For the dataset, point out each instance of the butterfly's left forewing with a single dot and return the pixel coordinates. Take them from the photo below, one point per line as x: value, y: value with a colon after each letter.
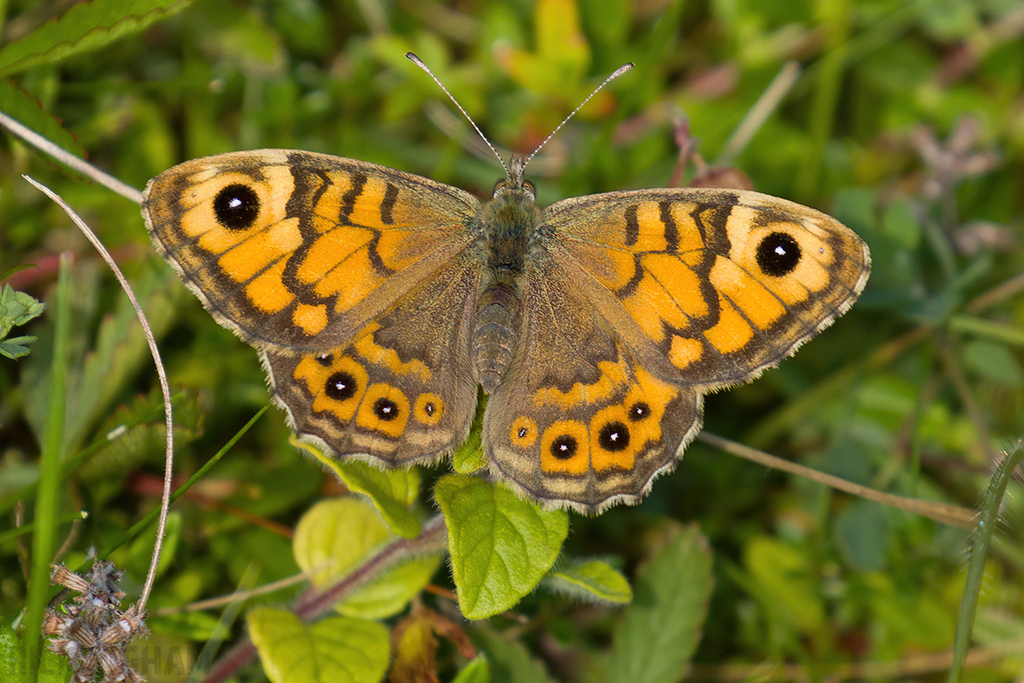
x: 708, y: 286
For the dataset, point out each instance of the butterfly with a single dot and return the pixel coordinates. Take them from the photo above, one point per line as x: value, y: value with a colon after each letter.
x: 381, y: 302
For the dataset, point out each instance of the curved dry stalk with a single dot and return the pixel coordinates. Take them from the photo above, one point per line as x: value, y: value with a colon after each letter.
x: 940, y: 512
x: 161, y: 374
x: 66, y: 158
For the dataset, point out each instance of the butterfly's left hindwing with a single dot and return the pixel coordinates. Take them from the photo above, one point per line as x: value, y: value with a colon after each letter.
x: 577, y: 421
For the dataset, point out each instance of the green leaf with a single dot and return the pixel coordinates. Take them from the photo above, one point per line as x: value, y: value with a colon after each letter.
x: 28, y: 112
x: 862, y: 534
x: 508, y: 660
x: 785, y: 583
x: 590, y: 581
x: 469, y: 456
x: 476, y: 671
x: 333, y: 650
x: 12, y: 656
x: 389, y: 593
x: 15, y: 347
x: 661, y: 628
x: 500, y: 546
x: 86, y: 26
x: 336, y: 536
x: 995, y: 362
x: 17, y: 308
x: 53, y: 668
x: 392, y: 492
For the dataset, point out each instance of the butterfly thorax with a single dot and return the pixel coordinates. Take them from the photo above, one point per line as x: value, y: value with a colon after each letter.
x: 510, y: 222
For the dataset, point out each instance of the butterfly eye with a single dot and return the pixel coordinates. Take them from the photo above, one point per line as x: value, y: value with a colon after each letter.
x: 778, y: 254
x: 499, y: 187
x: 530, y: 188
x: 236, y: 207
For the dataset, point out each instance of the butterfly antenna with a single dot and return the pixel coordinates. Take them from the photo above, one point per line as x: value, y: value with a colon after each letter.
x: 419, y: 62
x: 618, y: 72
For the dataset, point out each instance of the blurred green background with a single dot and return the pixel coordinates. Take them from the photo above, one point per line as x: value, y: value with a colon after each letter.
x: 906, y: 122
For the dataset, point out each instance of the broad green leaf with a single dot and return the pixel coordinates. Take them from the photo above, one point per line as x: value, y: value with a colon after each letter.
x: 336, y: 536
x: 862, y: 534
x: 26, y: 111
x: 389, y: 593
x: 590, y: 581
x: 995, y: 362
x: 785, y: 583
x: 508, y: 660
x: 86, y: 26
x: 392, y: 492
x: 477, y: 671
x: 661, y: 628
x: 333, y: 650
x: 500, y: 546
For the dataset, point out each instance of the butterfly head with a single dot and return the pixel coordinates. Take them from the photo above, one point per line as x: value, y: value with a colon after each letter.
x: 514, y: 185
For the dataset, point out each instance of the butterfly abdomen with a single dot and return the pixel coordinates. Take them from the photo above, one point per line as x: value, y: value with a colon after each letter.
x: 494, y: 331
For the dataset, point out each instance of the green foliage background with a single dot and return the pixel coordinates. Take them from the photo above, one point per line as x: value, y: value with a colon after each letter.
x: 906, y: 123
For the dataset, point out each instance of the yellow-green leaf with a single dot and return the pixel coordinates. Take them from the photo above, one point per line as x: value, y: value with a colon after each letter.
x: 332, y: 650
x: 391, y: 591
x: 392, y: 492
x: 477, y: 671
x: 591, y: 581
x: 336, y: 536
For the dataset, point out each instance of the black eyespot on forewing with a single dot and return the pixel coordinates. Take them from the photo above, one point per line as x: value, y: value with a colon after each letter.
x: 614, y: 437
x: 564, y: 447
x: 778, y: 254
x: 236, y: 207
x: 340, y: 386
